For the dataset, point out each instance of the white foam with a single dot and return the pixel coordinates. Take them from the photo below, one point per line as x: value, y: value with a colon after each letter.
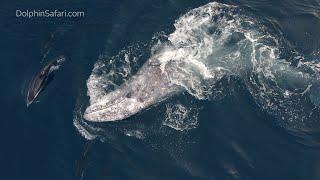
x: 83, y: 131
x: 135, y: 133
x: 180, y: 117
x: 238, y: 45
x: 211, y: 42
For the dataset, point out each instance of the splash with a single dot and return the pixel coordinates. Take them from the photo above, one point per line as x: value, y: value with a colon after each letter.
x: 216, y: 41
x: 110, y: 72
x: 180, y: 117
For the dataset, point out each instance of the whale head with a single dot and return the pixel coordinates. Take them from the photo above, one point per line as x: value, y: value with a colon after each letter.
x: 116, y: 106
x: 148, y: 87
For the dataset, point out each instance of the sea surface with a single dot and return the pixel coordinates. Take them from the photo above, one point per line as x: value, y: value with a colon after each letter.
x: 250, y: 108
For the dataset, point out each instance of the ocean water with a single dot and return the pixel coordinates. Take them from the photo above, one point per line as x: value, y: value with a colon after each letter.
x: 249, y: 108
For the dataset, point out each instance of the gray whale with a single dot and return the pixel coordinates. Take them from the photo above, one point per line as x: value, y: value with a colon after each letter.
x: 148, y: 87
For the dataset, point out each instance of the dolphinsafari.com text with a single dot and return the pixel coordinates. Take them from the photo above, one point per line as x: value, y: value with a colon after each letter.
x: 49, y: 13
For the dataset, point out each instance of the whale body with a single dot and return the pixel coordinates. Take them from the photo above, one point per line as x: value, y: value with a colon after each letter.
x: 211, y: 44
x: 148, y: 87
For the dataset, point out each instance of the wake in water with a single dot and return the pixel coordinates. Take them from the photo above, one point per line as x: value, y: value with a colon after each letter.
x: 210, y: 44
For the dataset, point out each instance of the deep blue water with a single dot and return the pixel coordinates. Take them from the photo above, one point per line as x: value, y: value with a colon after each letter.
x: 234, y: 138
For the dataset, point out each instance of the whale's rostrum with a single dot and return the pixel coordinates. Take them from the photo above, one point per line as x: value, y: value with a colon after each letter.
x: 149, y: 86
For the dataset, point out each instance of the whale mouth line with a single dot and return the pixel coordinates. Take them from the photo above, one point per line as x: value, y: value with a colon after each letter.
x: 104, y: 106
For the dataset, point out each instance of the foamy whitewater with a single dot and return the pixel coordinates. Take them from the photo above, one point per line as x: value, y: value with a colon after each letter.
x: 211, y: 44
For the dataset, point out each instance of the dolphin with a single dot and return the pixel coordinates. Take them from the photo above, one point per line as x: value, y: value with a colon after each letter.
x: 41, y: 79
x: 147, y: 87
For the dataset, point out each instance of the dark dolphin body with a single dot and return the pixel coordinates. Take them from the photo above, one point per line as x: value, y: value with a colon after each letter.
x: 40, y: 80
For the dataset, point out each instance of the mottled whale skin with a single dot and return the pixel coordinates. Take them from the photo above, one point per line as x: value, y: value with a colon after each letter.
x: 148, y: 87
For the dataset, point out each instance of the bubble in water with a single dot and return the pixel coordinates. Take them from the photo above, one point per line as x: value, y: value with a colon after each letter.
x: 180, y: 117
